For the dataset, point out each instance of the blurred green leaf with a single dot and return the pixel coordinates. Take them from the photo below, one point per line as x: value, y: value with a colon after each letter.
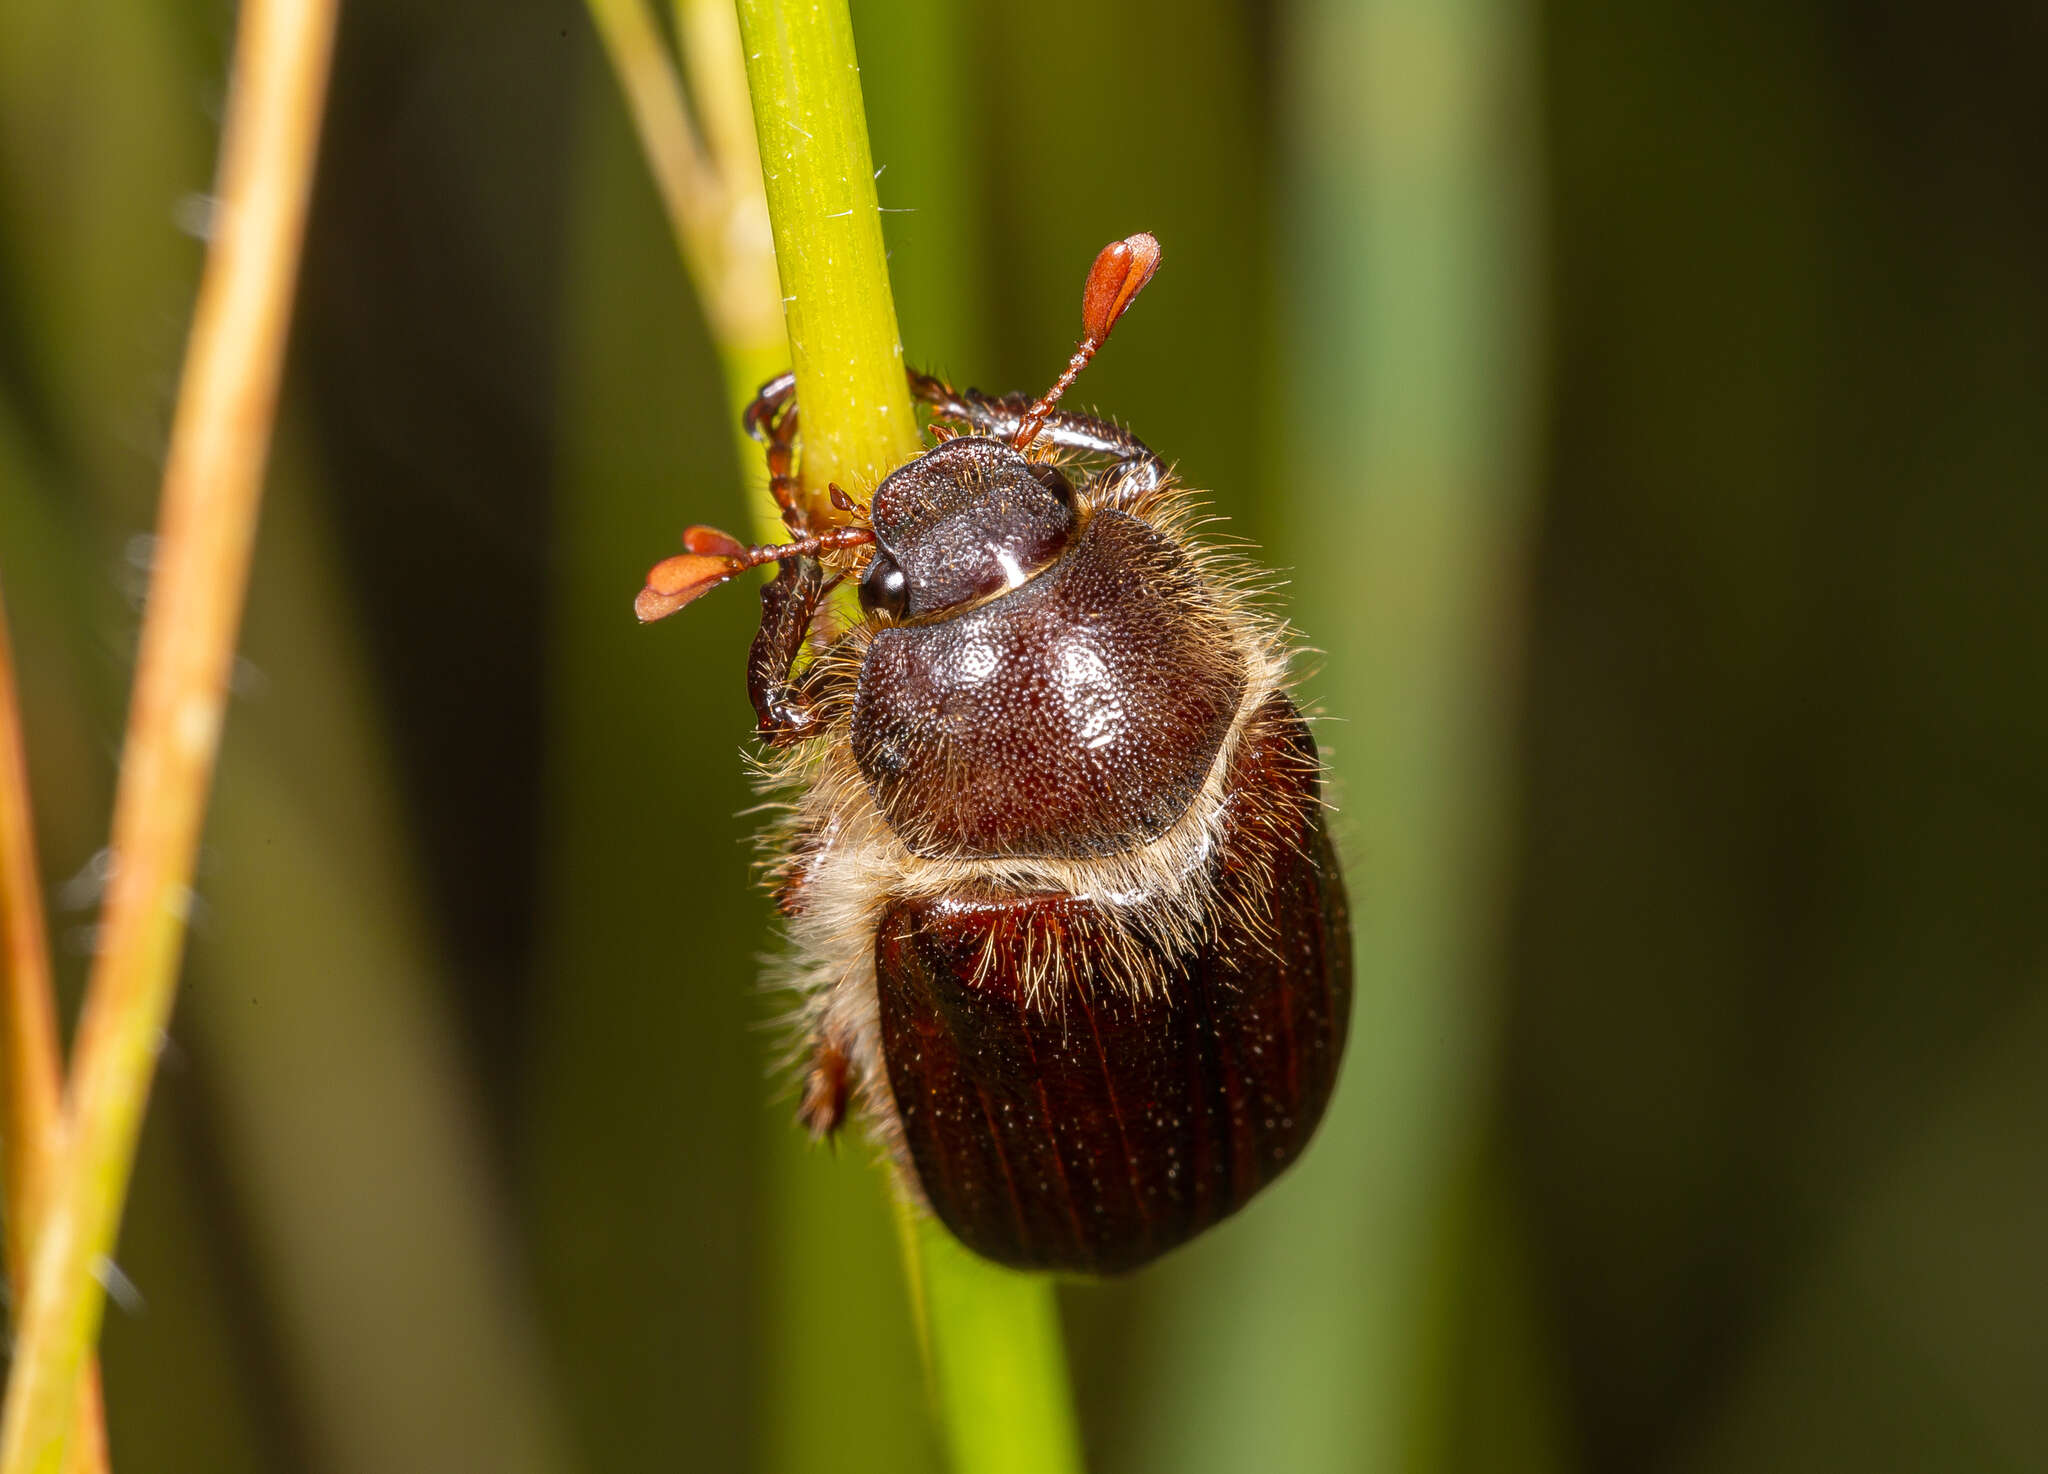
x: 1406, y: 431
x: 647, y: 1055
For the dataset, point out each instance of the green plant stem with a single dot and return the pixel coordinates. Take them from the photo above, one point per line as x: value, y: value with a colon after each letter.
x: 29, y: 1054
x: 834, y: 1227
x: 710, y: 188
x: 31, y: 1058
x: 836, y: 302
x: 992, y: 1337
x: 212, y: 487
x: 746, y: 324
x: 998, y: 1364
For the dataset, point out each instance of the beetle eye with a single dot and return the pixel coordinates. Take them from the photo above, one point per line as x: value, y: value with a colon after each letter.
x: 883, y: 587
x: 1053, y: 479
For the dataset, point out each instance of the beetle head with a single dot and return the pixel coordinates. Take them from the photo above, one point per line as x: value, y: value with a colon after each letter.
x: 969, y: 519
x: 965, y: 520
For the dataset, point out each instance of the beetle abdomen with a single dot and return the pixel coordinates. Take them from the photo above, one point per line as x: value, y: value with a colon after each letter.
x: 1058, y: 1120
x: 1076, y: 715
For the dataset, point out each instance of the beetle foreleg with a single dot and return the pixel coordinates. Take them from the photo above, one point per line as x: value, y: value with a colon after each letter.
x: 788, y: 603
x: 771, y: 419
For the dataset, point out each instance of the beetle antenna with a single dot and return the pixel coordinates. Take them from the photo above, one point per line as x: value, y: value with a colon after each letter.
x: 1120, y: 272
x: 713, y: 557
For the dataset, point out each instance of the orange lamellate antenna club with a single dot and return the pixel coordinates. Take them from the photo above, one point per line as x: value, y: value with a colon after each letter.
x: 709, y: 542
x: 714, y: 557
x: 674, y: 582
x: 1114, y: 281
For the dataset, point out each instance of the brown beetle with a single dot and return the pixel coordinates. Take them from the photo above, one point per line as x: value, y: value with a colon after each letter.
x: 1065, y: 919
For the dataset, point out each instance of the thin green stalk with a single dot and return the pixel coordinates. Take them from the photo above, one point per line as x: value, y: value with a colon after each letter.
x: 993, y: 1336
x: 212, y: 487
x: 830, y: 1282
x: 710, y: 187
x: 838, y: 1366
x: 998, y: 1364
x: 31, y: 1117
x: 837, y: 307
x: 31, y: 1058
x: 746, y: 320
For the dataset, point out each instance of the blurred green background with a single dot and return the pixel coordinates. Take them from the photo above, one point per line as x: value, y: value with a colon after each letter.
x: 1652, y: 403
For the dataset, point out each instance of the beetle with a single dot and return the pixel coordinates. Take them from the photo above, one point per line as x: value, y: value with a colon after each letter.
x: 1066, y: 925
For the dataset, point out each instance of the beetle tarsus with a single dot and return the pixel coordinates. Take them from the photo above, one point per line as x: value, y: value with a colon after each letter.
x: 789, y: 601
x: 768, y: 402
x: 771, y: 419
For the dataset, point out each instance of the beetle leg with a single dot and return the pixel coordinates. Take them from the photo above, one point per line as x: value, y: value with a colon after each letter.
x: 771, y: 419
x: 788, y: 602
x: 1136, y: 468
x: 826, y: 1085
x: 768, y: 402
